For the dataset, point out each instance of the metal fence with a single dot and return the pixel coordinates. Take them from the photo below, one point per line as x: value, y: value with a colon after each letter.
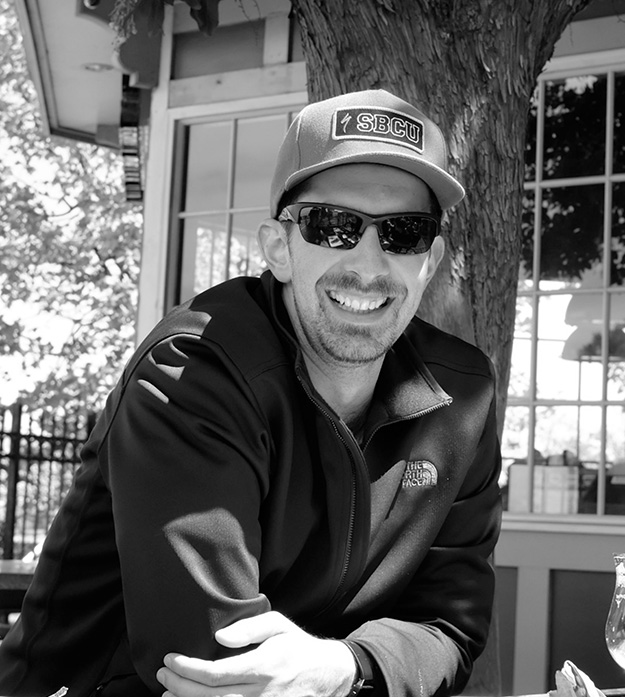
x: 39, y: 453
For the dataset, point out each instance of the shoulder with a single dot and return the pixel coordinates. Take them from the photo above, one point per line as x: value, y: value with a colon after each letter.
x: 439, y: 348
x: 232, y: 320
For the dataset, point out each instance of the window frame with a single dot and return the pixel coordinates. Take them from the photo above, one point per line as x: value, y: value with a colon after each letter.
x: 610, y: 63
x: 182, y: 120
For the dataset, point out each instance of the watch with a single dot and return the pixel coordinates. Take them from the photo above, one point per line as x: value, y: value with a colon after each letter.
x: 364, y: 668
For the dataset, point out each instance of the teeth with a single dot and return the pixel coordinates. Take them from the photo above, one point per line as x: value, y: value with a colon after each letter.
x: 357, y: 304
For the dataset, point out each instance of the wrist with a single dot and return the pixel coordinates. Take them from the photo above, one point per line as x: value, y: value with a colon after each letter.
x: 363, y: 679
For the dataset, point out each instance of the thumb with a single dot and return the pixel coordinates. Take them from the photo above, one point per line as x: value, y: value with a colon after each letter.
x: 254, y: 630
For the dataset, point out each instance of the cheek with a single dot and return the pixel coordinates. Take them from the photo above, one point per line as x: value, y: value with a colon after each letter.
x: 414, y: 275
x: 304, y: 280
x: 310, y: 263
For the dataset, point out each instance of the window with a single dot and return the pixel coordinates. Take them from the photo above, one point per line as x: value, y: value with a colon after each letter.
x: 564, y: 436
x: 227, y: 167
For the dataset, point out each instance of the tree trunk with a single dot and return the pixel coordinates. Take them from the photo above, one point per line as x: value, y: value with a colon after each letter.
x: 471, y: 65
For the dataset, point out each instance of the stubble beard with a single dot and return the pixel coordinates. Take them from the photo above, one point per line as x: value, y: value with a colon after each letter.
x: 343, y: 343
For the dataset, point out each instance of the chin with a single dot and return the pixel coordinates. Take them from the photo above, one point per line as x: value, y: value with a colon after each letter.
x: 358, y: 353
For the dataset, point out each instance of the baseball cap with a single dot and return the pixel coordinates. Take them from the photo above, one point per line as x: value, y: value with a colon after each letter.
x: 372, y: 126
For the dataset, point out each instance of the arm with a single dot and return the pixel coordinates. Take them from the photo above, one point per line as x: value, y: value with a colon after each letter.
x: 186, y: 461
x: 430, y: 637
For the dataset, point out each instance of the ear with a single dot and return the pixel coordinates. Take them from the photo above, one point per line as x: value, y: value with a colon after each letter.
x: 273, y: 243
x: 437, y: 251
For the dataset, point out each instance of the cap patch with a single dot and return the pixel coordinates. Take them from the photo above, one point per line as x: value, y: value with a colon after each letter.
x: 377, y: 123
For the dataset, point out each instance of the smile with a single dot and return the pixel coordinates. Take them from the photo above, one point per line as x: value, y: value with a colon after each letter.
x: 357, y: 304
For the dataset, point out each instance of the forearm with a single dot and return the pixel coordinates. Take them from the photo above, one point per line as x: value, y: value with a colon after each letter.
x: 432, y: 632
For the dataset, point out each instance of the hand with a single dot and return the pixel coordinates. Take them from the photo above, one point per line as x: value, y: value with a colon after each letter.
x: 287, y: 662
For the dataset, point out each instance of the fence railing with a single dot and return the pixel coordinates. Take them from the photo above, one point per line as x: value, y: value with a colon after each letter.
x: 39, y: 453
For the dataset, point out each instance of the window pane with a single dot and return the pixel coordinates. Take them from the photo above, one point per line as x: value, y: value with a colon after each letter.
x: 590, y: 455
x: 519, y: 384
x: 575, y: 126
x: 617, y: 249
x: 616, y: 380
x: 515, y: 437
x: 589, y: 435
x: 616, y: 349
x: 583, y: 346
x: 556, y: 377
x: 530, y: 139
x: 297, y: 50
x: 514, y: 445
x: 616, y: 334
x: 569, y: 434
x: 619, y: 123
x: 572, y: 234
x: 205, y: 241
x: 258, y: 140
x: 615, y: 436
x: 526, y: 267
x: 567, y: 447
x: 245, y: 256
x: 615, y: 455
x: 207, y: 168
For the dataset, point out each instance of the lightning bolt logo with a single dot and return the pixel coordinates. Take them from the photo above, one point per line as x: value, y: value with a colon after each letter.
x: 345, y: 121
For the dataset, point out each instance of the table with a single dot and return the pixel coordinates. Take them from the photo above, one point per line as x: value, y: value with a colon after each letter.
x: 15, y: 575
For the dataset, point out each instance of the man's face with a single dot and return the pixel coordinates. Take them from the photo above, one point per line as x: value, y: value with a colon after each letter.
x: 349, y: 307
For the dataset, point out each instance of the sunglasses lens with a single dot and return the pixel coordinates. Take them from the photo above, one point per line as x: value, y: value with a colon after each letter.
x: 329, y: 227
x: 408, y: 234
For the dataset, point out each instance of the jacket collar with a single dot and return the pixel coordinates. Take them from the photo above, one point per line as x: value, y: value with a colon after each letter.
x: 405, y: 389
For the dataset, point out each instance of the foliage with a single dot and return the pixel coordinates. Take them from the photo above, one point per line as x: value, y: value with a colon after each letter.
x: 69, y: 251
x: 204, y: 12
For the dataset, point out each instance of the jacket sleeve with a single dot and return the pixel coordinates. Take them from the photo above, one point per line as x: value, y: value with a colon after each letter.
x: 185, y: 458
x: 427, y: 642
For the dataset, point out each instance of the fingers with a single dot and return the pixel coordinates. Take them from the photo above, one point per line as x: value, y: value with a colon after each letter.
x: 243, y: 675
x: 226, y: 672
x: 180, y: 687
x: 254, y: 630
x: 187, y: 667
x: 177, y: 686
x: 210, y: 673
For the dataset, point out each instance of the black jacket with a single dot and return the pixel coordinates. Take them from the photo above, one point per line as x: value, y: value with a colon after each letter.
x: 217, y: 485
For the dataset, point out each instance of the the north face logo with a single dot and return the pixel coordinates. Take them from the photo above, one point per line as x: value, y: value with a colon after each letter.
x: 376, y: 123
x: 419, y: 473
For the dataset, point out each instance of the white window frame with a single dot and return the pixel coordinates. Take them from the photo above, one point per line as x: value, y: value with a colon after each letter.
x: 610, y: 63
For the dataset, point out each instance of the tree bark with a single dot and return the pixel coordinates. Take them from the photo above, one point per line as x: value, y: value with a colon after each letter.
x: 471, y: 65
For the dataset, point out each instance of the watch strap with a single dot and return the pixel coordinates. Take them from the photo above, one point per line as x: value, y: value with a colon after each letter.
x: 364, y: 668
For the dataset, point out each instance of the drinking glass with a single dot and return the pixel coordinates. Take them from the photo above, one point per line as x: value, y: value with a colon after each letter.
x: 615, y: 625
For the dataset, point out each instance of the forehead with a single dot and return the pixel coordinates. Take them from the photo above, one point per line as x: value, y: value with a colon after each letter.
x: 371, y: 188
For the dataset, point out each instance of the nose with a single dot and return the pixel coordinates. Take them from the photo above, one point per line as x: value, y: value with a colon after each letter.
x: 367, y: 259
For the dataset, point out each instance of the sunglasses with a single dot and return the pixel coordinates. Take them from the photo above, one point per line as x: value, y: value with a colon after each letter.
x: 343, y: 228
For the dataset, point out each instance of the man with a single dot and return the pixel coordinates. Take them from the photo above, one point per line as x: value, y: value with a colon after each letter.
x: 293, y: 489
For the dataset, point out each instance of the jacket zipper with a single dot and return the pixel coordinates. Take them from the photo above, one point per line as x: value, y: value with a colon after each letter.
x: 352, y: 511
x: 352, y: 507
x: 416, y: 415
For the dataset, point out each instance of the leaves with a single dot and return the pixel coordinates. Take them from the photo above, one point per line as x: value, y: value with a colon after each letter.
x: 69, y: 252
x: 123, y: 17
